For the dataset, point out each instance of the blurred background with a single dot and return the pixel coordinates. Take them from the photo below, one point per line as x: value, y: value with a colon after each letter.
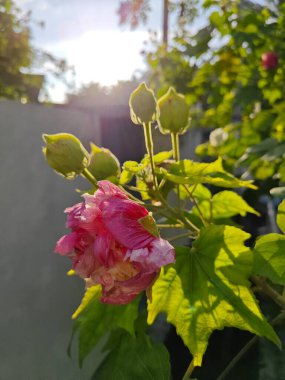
x: 70, y: 66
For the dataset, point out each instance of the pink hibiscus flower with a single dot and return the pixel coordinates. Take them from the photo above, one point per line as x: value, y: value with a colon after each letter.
x: 109, y: 246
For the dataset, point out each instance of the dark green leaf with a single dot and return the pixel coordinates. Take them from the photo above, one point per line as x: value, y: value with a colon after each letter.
x: 95, y: 319
x: 135, y: 359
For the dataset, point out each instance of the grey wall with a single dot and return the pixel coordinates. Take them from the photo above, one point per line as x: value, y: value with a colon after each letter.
x: 36, y: 297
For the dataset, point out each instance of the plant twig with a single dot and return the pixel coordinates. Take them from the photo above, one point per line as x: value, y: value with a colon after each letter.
x: 265, y: 288
x: 149, y: 148
x: 176, y: 155
x: 169, y: 225
x: 196, y: 204
x: 176, y: 237
x: 246, y: 348
x: 86, y: 174
x: 189, y: 370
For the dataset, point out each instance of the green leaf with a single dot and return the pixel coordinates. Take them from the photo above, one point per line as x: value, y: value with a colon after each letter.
x: 281, y: 216
x: 190, y: 172
x: 224, y: 204
x: 95, y: 319
x: 162, y: 156
x: 126, y: 177
x: 208, y: 289
x: 130, y: 168
x: 269, y: 257
x: 198, y: 191
x: 135, y: 358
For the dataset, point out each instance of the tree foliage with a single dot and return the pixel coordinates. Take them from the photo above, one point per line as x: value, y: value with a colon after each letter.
x: 21, y: 64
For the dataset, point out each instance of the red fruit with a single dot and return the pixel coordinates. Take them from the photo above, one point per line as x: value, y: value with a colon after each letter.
x: 269, y: 60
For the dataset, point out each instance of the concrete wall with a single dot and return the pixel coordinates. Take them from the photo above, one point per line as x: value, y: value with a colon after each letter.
x: 36, y: 297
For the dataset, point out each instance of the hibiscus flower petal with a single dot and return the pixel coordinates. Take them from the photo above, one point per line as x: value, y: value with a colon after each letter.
x: 121, y: 219
x: 125, y: 291
x: 66, y: 243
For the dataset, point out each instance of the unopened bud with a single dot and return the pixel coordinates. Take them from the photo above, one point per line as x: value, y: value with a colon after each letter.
x: 65, y: 154
x: 103, y: 163
x: 174, y: 113
x: 143, y: 105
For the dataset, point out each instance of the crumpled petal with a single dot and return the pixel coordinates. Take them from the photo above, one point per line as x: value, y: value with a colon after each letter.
x: 121, y: 218
x: 109, y: 246
x: 125, y: 291
x: 158, y: 254
x: 66, y: 243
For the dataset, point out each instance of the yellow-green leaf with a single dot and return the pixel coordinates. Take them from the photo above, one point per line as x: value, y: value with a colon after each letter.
x: 281, y: 216
x: 269, y: 257
x: 224, y: 204
x: 190, y: 172
x: 208, y: 289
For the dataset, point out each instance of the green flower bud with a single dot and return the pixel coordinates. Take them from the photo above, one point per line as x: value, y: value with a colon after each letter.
x: 174, y: 113
x: 103, y: 163
x: 143, y: 105
x: 65, y: 154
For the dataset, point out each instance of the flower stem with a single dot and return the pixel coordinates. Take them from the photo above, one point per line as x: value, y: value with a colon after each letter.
x: 86, y: 174
x: 196, y: 204
x: 186, y: 234
x: 176, y: 155
x: 175, y: 146
x: 149, y: 148
x: 189, y: 370
x: 170, y: 225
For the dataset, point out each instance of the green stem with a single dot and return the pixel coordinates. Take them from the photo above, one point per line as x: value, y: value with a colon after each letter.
x: 170, y: 225
x: 176, y: 155
x: 176, y: 237
x: 131, y: 195
x: 86, y: 174
x: 196, y: 204
x: 247, y: 347
x: 189, y: 370
x: 134, y: 188
x: 149, y: 148
x: 180, y: 217
x: 175, y: 146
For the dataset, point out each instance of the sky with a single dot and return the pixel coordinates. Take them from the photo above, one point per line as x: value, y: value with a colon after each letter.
x: 87, y: 34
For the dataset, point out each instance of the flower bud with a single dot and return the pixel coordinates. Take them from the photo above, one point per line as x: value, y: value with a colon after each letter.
x: 174, y: 113
x: 103, y: 163
x: 143, y: 105
x: 65, y: 154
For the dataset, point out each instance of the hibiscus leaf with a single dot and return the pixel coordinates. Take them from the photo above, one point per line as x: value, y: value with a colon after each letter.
x: 94, y: 319
x: 208, y: 289
x: 281, y: 216
x: 224, y: 204
x: 135, y: 358
x: 269, y: 258
x: 190, y: 172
